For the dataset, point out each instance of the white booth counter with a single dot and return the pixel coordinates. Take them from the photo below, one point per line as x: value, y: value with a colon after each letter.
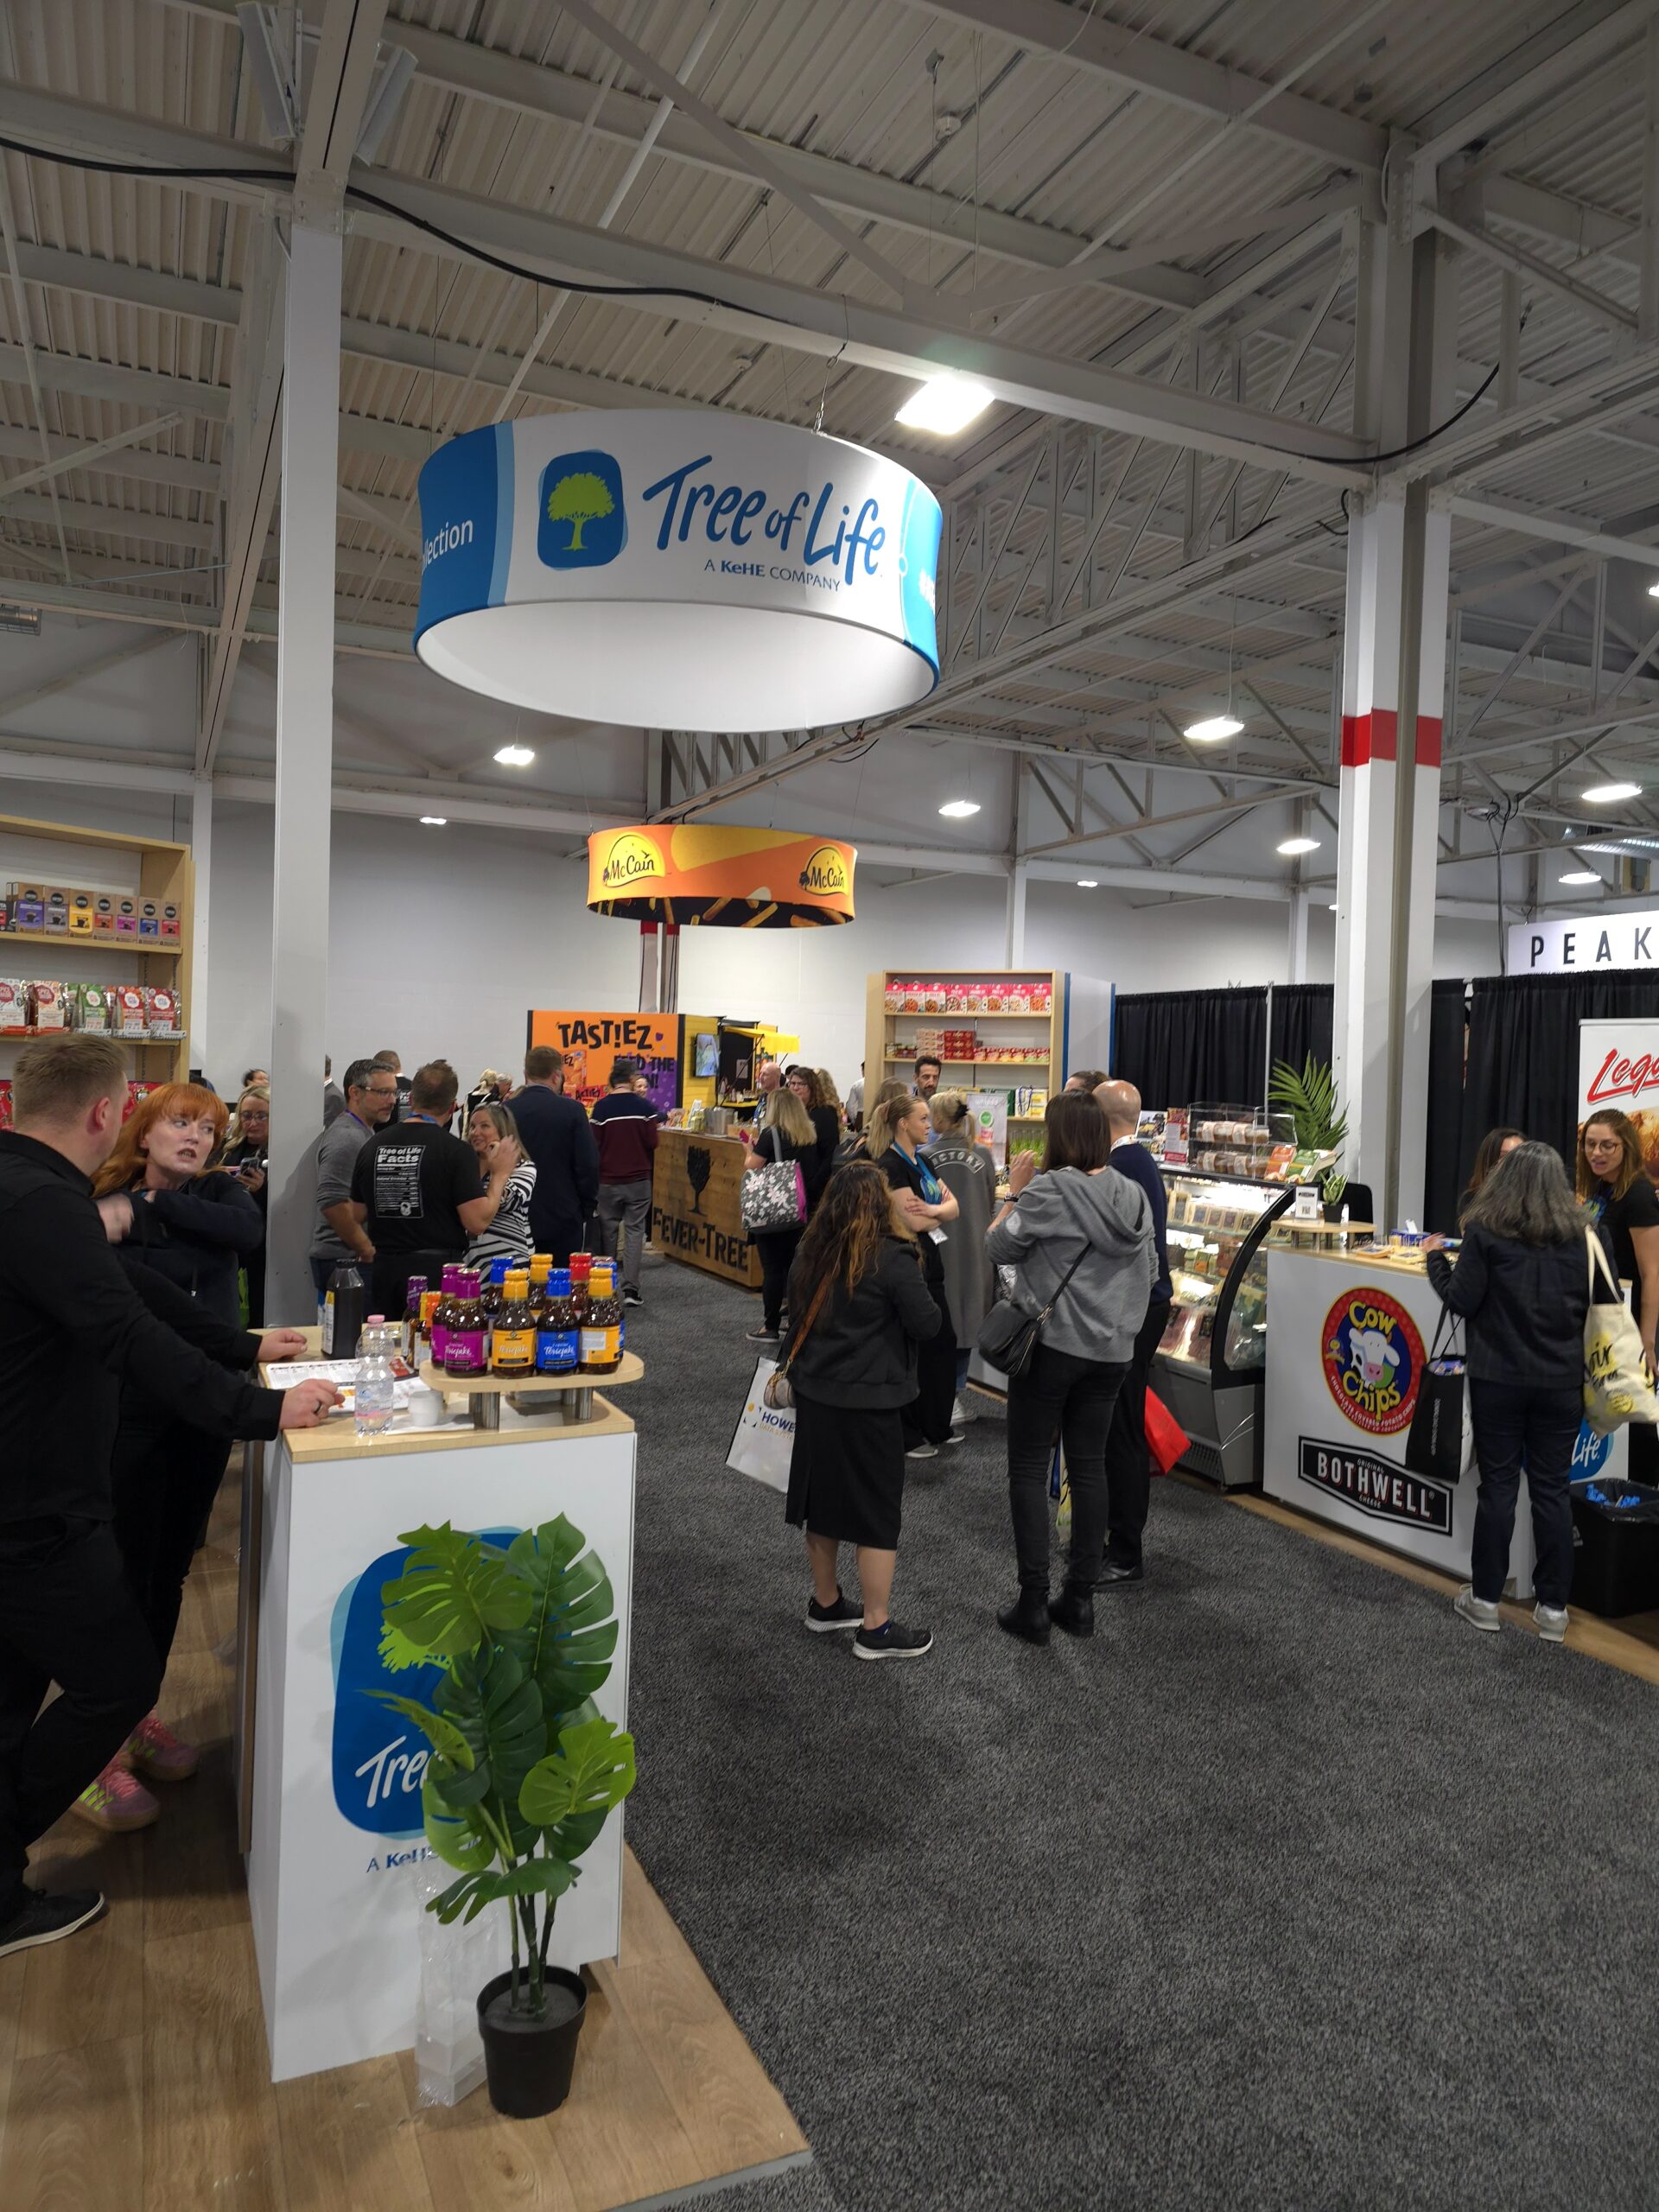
x: 331, y: 1779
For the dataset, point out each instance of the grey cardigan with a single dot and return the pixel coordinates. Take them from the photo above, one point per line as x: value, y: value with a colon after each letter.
x: 1106, y: 1215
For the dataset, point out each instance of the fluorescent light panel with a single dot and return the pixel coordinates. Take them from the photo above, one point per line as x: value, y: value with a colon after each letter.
x: 1606, y: 794
x: 960, y: 809
x: 1579, y: 875
x: 1291, y: 846
x: 1212, y: 731
x: 435, y: 821
x: 515, y: 756
x: 1088, y: 883
x: 945, y: 405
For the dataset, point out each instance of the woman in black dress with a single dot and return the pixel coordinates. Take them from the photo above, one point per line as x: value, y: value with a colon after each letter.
x: 898, y: 1132
x: 859, y: 1307
x: 786, y: 1135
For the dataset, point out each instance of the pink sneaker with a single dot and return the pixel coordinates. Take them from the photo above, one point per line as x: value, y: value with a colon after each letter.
x: 116, y: 1801
x: 158, y: 1754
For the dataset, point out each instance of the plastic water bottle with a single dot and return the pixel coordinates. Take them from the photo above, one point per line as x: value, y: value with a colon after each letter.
x: 375, y: 1391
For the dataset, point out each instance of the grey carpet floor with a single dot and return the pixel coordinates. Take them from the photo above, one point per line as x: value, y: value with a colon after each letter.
x: 1287, y: 1889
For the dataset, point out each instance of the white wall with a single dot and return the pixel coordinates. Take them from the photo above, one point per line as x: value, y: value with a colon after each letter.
x: 444, y: 938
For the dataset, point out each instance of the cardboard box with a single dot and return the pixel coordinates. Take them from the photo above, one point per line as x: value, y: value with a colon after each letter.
x: 149, y: 919
x: 81, y: 913
x: 126, y: 917
x: 170, y: 919
x: 27, y: 907
x: 57, y: 912
x: 129, y: 1011
x: 102, y: 914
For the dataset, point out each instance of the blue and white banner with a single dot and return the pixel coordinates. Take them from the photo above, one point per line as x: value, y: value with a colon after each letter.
x: 691, y: 571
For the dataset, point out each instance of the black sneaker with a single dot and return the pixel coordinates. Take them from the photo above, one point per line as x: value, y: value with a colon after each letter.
x: 842, y: 1614
x: 632, y: 1297
x: 761, y: 1336
x: 48, y: 1915
x: 892, y: 1641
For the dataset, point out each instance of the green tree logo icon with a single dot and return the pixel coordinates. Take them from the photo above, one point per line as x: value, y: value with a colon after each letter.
x: 579, y: 499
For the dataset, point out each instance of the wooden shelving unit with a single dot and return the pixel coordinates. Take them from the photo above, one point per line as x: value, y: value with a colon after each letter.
x: 1045, y: 1031
x: 97, y: 860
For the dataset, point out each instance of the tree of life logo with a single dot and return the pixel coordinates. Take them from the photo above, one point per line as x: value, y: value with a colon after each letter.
x: 583, y: 517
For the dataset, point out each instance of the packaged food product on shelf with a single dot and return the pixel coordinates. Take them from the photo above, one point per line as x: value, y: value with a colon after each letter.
x: 55, y: 918
x: 161, y: 1011
x: 103, y: 915
x: 149, y: 919
x: 171, y: 920
x: 14, y: 1006
x: 126, y: 917
x: 46, y: 1007
x: 129, y: 1011
x: 5, y: 1102
x: 81, y: 913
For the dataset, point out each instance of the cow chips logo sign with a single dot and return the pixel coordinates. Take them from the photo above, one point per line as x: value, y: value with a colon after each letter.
x: 1373, y: 1359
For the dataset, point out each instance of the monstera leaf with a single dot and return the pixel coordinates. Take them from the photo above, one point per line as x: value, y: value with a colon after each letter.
x: 454, y: 1592
x: 568, y: 1639
x: 549, y: 1878
x: 496, y: 1709
x: 591, y: 1772
x: 445, y: 1737
x: 456, y: 1839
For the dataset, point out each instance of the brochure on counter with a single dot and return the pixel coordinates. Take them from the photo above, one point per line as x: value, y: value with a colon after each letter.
x: 342, y: 1373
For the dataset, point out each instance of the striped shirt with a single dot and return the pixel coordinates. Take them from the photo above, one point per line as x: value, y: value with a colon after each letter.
x: 508, y: 1236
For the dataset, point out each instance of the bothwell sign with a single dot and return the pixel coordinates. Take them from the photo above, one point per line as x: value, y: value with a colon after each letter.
x: 696, y: 570
x: 1584, y: 944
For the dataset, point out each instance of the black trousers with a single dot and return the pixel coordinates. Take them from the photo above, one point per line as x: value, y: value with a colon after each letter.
x: 1128, y: 1465
x: 776, y: 1252
x: 1062, y: 1396
x: 68, y: 1615
x: 928, y: 1416
x: 164, y: 1476
x: 1517, y: 1422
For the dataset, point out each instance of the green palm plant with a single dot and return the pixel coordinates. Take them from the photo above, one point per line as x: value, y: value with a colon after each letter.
x: 523, y: 1769
x: 1309, y: 1096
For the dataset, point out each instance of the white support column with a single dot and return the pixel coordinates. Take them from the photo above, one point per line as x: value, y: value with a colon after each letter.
x: 1393, y: 680
x: 1298, y: 905
x: 1014, y: 948
x: 1646, y: 304
x: 305, y: 708
x: 201, y: 858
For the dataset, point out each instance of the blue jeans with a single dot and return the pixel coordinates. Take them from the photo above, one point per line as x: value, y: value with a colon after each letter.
x: 1516, y: 1423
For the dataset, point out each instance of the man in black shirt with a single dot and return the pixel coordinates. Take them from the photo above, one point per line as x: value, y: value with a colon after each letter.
x: 1128, y: 1470
x: 417, y: 1192
x: 558, y: 1138
x: 73, y: 1326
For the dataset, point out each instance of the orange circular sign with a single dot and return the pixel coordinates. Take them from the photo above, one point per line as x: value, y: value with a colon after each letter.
x: 720, y: 876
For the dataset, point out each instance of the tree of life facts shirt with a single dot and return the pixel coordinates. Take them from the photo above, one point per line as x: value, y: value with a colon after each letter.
x: 413, y: 1176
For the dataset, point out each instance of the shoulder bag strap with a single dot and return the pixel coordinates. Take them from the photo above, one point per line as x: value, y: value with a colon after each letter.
x: 1054, y: 1298
x: 818, y: 1297
x: 1597, y: 1254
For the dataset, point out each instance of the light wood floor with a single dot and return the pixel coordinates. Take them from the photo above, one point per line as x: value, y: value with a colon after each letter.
x: 134, y: 2075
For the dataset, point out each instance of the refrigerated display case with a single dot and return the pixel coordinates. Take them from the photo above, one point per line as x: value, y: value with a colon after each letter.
x: 1211, y: 1367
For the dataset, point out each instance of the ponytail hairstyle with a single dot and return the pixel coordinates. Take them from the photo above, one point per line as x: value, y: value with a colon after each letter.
x: 885, y: 1120
x: 952, y: 1116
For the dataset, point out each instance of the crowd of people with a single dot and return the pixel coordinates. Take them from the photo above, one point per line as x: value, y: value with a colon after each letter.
x: 132, y: 1315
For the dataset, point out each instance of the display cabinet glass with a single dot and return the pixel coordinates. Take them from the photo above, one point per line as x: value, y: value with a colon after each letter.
x: 1213, y: 1356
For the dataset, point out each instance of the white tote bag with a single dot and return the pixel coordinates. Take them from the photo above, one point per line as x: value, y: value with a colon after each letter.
x: 764, y: 1440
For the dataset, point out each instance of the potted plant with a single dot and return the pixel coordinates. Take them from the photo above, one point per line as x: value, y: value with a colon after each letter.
x: 523, y: 1769
x: 1309, y: 1096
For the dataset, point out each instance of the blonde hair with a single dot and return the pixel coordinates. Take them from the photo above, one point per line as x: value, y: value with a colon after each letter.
x: 884, y: 1122
x: 233, y: 1135
x: 952, y: 1114
x: 827, y: 1095
x: 785, y: 1114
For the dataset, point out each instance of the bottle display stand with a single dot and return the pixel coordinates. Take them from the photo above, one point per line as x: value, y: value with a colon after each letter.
x: 567, y: 1401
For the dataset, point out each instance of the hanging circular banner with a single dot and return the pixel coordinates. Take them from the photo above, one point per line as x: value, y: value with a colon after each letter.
x: 691, y: 571
x: 720, y: 877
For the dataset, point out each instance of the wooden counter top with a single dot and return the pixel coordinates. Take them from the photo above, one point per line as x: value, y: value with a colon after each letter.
x: 337, y: 1439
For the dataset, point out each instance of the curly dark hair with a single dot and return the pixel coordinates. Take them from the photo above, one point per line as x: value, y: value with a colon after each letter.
x: 844, y: 1235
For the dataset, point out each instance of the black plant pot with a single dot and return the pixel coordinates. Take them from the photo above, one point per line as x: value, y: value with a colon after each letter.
x: 1332, y: 1213
x: 528, y: 2063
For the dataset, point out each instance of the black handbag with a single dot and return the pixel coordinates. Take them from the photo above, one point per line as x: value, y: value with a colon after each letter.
x: 1435, y: 1442
x: 1009, y: 1336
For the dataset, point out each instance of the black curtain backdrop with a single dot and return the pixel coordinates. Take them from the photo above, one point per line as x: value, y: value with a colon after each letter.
x: 1302, y: 1022
x: 1178, y: 1047
x: 1447, y: 1033
x: 1523, y: 1052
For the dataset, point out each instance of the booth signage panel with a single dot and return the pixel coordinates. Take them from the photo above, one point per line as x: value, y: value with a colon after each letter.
x: 699, y: 570
x: 1619, y: 1069
x: 592, y: 1042
x: 720, y: 876
x: 337, y: 1832
x: 696, y: 1205
x: 1586, y: 944
x: 1337, y: 1412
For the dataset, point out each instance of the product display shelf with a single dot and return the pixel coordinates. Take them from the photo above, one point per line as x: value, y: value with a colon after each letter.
x: 1213, y: 1356
x: 572, y: 1398
x: 62, y: 853
x: 1043, y: 1027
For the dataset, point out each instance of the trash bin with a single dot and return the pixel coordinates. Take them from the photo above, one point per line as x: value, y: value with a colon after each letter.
x: 1615, y: 1548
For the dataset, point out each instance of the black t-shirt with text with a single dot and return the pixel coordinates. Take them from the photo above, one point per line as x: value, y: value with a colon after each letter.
x: 412, y: 1177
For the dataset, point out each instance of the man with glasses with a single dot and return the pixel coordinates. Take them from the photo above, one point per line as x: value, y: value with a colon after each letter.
x: 370, y: 1097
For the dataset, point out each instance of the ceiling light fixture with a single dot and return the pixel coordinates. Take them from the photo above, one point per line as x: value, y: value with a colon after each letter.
x: 960, y: 809
x: 515, y: 756
x: 945, y: 405
x: 1212, y: 731
x: 434, y: 821
x: 1606, y: 794
x: 1579, y: 875
x: 1088, y: 883
x: 1333, y: 906
x: 1291, y: 846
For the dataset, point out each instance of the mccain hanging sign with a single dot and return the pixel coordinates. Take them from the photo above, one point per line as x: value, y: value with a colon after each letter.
x: 678, y: 570
x: 720, y: 877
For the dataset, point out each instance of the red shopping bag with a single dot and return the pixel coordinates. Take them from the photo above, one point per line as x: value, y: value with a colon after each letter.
x: 1166, y: 1438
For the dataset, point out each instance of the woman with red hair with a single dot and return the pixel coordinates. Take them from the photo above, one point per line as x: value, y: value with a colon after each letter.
x: 168, y: 1207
